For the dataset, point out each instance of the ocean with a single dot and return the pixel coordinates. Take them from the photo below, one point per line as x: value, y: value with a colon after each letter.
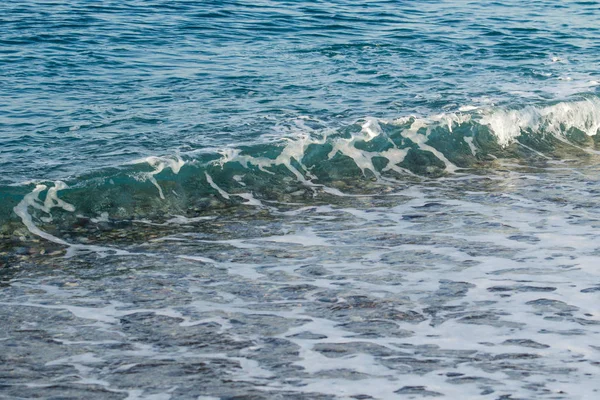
x: 285, y: 199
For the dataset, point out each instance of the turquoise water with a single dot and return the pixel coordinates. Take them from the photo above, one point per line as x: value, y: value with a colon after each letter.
x: 303, y: 199
x: 92, y: 86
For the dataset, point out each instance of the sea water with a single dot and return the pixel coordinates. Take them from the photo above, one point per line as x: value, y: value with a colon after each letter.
x: 299, y: 199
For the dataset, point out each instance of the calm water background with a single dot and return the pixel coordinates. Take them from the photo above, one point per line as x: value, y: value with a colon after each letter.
x: 88, y: 85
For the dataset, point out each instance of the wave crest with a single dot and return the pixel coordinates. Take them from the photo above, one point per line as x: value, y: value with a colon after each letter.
x: 354, y: 160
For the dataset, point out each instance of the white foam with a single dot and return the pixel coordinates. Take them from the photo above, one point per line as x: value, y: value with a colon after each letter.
x: 198, y: 258
x: 102, y: 218
x: 182, y: 220
x: 294, y: 149
x: 212, y: 184
x: 238, y: 179
x: 507, y: 125
x: 32, y: 200
x: 469, y: 140
x: 160, y: 164
x: 52, y: 201
x: 307, y: 237
x: 467, y: 108
x: 250, y: 200
x: 420, y: 139
x: 371, y: 129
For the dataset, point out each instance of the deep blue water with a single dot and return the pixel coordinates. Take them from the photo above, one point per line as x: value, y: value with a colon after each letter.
x: 87, y: 85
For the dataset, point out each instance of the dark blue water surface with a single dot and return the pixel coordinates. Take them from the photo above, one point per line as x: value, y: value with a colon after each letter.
x: 87, y: 85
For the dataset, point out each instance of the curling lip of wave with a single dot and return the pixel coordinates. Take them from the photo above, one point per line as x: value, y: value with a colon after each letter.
x: 507, y: 125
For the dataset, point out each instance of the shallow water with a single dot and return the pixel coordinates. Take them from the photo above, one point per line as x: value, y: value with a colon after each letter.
x: 474, y: 286
x: 307, y: 200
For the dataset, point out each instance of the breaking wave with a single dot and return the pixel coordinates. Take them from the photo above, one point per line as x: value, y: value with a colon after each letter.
x: 361, y: 158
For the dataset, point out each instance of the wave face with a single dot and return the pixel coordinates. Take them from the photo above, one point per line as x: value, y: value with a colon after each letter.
x: 369, y: 156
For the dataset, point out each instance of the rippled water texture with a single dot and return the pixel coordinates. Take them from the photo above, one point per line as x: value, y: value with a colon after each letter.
x: 299, y: 200
x: 86, y: 85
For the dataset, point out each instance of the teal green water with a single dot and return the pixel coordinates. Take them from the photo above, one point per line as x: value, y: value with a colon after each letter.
x: 90, y: 88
